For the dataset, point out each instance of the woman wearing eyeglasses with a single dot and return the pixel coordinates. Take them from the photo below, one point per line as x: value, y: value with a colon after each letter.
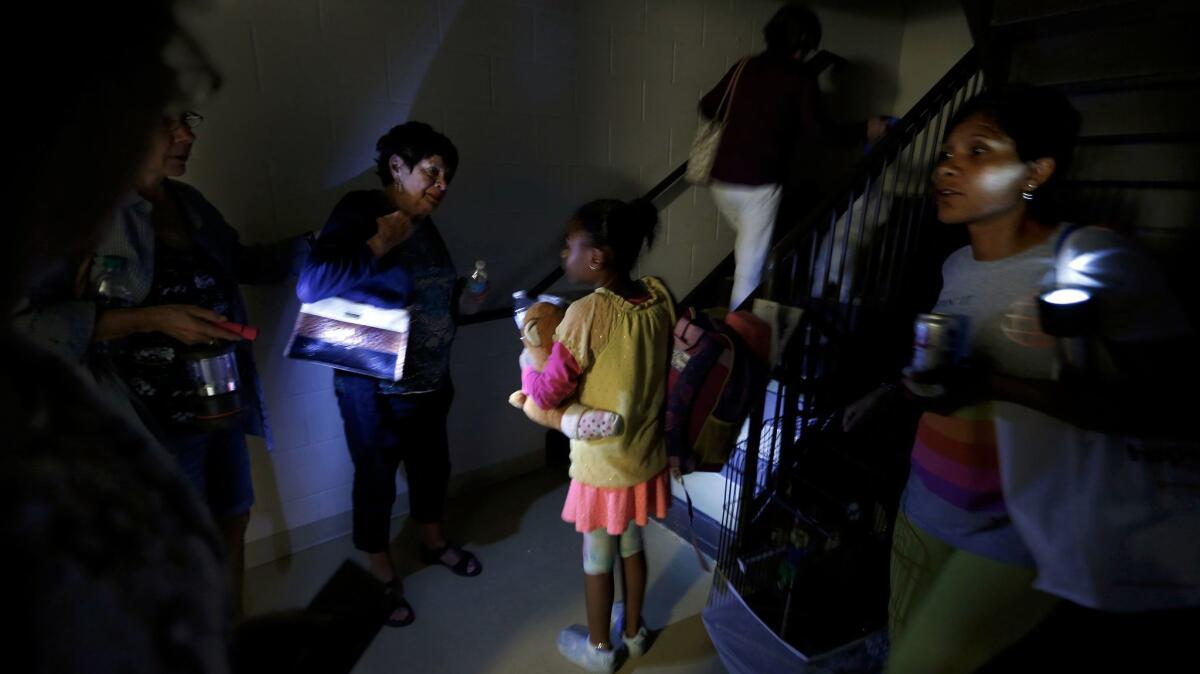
x: 109, y: 562
x: 380, y: 247
x: 165, y: 275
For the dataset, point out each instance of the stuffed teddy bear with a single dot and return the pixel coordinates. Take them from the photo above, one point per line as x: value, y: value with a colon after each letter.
x: 574, y: 420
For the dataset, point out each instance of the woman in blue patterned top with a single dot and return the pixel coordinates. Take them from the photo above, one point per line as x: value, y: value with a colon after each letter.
x: 382, y: 248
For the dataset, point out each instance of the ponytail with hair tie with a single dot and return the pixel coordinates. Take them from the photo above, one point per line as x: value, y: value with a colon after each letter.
x: 623, y: 227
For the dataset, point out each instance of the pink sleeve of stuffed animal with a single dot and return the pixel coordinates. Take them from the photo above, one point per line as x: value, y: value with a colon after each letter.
x: 556, y: 382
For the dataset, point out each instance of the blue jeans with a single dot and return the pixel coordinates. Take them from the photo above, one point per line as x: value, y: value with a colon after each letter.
x: 381, y: 431
x: 217, y: 465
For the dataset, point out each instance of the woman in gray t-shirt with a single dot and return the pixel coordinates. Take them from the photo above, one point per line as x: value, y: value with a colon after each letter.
x: 963, y: 575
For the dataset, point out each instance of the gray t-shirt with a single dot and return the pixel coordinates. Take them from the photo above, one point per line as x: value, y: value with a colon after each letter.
x: 1107, y: 528
x: 954, y: 490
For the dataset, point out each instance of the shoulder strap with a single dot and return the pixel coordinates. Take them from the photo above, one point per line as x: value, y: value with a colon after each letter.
x: 692, y: 526
x: 1065, y: 234
x: 682, y: 396
x: 727, y: 98
x: 1067, y: 231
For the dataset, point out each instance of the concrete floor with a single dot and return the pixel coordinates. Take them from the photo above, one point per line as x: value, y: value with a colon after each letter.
x: 507, y: 619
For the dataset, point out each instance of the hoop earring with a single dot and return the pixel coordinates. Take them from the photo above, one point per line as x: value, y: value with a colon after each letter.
x: 1027, y: 193
x: 594, y: 267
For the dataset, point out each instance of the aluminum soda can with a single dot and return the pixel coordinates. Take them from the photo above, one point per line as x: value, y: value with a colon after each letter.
x: 939, y: 340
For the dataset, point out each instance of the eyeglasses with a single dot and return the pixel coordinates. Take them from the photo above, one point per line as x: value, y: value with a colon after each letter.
x: 189, y: 119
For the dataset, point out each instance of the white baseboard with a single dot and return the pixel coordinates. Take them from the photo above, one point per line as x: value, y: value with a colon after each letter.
x: 290, y: 541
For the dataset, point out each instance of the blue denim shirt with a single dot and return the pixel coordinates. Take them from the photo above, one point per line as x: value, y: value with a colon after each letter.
x: 52, y: 315
x: 418, y: 275
x: 132, y: 237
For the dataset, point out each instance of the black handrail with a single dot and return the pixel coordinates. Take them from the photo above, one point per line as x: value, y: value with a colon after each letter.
x: 790, y: 445
x: 819, y: 61
x: 818, y: 218
x: 549, y: 279
x: 1137, y: 184
x: 896, y: 139
x: 651, y: 195
x: 1150, y: 138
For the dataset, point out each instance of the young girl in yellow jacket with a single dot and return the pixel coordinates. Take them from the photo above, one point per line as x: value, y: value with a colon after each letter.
x: 612, y: 352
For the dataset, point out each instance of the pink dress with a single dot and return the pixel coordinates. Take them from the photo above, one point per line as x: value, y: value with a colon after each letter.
x: 592, y: 508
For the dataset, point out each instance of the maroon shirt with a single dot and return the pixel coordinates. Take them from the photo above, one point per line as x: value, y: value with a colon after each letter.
x: 774, y: 104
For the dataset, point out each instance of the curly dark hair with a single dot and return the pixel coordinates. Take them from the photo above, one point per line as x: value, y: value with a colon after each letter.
x: 412, y: 142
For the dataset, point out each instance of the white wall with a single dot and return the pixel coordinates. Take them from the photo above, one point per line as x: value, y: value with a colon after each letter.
x: 936, y: 36
x: 550, y: 102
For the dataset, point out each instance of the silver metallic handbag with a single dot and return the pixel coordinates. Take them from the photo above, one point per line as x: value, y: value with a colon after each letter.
x: 351, y: 336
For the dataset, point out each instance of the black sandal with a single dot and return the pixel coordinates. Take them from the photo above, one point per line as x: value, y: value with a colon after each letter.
x: 462, y: 567
x: 397, y: 602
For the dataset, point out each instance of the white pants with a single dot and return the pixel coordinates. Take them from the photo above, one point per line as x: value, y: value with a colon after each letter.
x: 750, y: 210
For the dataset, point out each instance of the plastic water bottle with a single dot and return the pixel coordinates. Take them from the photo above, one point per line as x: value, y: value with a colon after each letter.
x: 478, y: 284
x: 521, y: 304
x: 112, y: 282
